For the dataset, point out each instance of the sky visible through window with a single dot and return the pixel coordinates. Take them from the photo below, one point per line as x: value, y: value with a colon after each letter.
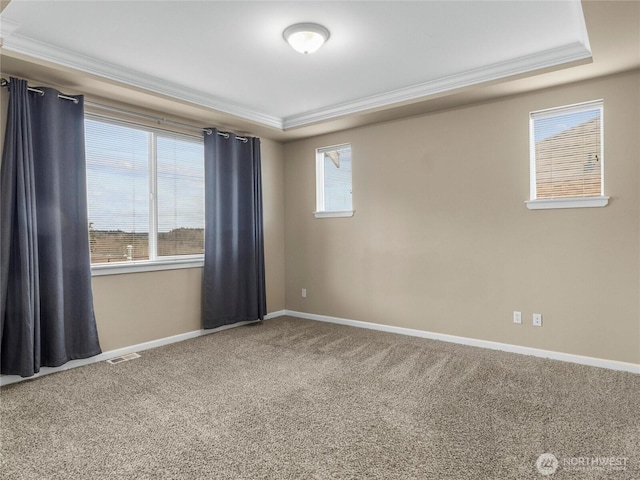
x: 550, y: 126
x: 118, y: 178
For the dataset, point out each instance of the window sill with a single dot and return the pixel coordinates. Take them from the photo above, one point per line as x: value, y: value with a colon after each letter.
x: 584, y: 202
x: 144, y: 266
x: 346, y: 213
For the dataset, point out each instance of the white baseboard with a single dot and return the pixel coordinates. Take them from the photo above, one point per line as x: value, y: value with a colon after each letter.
x: 8, y: 379
x: 505, y: 347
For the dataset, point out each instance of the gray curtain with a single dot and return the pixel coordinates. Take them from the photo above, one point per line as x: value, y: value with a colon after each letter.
x: 234, y: 277
x: 46, y: 303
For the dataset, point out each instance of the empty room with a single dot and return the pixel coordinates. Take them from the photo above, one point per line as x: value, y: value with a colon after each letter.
x: 320, y: 240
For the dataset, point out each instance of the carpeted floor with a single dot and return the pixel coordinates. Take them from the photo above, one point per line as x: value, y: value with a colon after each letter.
x: 297, y: 399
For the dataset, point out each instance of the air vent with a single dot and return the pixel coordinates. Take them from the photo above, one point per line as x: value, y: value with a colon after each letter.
x: 123, y: 358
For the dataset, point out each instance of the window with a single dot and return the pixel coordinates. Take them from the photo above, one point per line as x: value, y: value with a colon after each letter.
x: 145, y: 195
x: 567, y: 157
x: 333, y: 181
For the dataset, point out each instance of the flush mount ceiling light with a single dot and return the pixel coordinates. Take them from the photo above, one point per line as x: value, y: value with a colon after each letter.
x: 306, y: 37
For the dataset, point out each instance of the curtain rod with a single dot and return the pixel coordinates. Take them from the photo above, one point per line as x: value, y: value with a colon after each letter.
x: 5, y: 83
x: 208, y: 131
x: 153, y: 118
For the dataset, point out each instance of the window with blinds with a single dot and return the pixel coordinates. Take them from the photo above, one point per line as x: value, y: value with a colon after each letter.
x: 333, y: 181
x: 567, y: 154
x: 145, y: 193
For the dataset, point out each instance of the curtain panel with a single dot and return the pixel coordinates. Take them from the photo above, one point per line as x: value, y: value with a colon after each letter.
x: 46, y: 302
x: 234, y: 276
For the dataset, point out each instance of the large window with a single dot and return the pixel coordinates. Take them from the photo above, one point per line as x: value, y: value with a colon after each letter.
x: 333, y: 181
x: 567, y: 163
x: 145, y: 194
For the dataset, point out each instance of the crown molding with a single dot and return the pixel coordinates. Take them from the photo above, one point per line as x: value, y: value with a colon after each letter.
x: 7, y: 27
x: 36, y: 49
x: 550, y: 58
x: 575, y: 52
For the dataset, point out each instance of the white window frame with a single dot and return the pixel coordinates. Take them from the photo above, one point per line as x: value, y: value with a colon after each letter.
x: 564, y: 202
x: 321, y: 212
x: 155, y: 262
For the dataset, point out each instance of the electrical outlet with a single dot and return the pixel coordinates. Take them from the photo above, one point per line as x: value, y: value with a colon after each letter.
x: 537, y: 319
x: 304, y: 293
x: 517, y: 317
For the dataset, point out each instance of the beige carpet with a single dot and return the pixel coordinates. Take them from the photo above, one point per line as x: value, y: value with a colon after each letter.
x: 297, y: 399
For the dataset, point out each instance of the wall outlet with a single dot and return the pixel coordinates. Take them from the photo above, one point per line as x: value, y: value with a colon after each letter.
x: 304, y: 293
x: 517, y: 317
x: 537, y: 319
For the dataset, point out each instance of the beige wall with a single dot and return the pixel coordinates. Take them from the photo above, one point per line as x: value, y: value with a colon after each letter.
x: 4, y: 104
x: 140, y: 307
x: 442, y: 241
x: 273, y: 204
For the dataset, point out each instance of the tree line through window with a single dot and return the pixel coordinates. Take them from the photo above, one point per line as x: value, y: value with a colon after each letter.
x: 145, y: 193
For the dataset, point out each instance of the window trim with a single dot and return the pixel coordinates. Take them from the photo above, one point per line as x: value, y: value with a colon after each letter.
x: 578, y: 202
x: 321, y: 212
x: 119, y: 268
x: 334, y: 213
x: 158, y: 262
x: 564, y: 202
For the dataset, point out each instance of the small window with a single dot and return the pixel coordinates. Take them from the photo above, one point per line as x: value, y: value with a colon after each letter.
x: 145, y: 196
x: 333, y: 181
x: 567, y: 163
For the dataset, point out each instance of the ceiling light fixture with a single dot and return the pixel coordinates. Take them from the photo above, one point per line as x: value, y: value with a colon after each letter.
x: 306, y: 37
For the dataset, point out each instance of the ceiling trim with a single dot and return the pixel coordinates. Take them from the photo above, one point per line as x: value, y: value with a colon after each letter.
x: 36, y: 49
x: 551, y: 58
x: 578, y: 51
x: 7, y: 27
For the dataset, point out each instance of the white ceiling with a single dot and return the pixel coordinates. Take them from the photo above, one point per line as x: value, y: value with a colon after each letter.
x: 283, y: 95
x: 230, y: 56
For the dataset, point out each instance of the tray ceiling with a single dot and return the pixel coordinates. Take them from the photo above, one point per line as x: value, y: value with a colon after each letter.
x: 231, y: 56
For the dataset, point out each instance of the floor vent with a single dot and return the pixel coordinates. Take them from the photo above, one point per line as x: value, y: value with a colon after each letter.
x: 123, y: 358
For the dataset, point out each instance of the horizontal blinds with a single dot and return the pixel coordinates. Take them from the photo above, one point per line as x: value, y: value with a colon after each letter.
x: 568, y: 151
x: 145, y: 192
x: 337, y: 178
x: 180, y: 196
x: 118, y: 191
